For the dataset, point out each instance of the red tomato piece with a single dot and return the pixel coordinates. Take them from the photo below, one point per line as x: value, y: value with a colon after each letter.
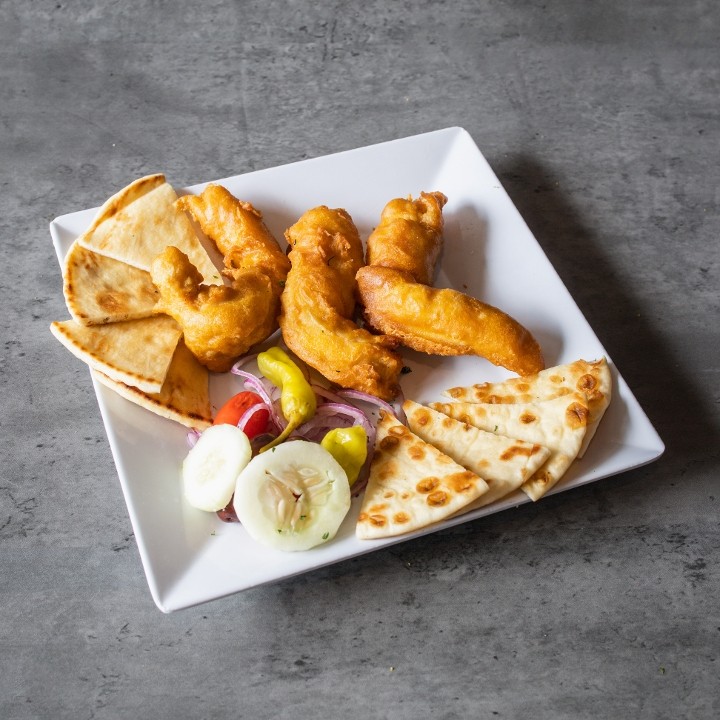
x: 257, y: 424
x: 231, y: 412
x: 228, y: 514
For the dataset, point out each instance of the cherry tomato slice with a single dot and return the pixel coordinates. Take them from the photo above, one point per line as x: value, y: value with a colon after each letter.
x: 231, y: 412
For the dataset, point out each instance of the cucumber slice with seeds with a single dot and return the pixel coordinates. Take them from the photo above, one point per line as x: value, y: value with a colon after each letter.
x: 292, y: 497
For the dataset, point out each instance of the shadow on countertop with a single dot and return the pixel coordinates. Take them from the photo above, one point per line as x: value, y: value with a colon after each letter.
x: 675, y: 401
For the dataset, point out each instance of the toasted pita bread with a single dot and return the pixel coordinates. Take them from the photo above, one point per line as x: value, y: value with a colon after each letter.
x: 592, y: 379
x: 136, y: 352
x: 136, y: 224
x: 184, y: 397
x: 101, y: 290
x: 412, y: 484
x: 558, y: 425
x: 504, y: 463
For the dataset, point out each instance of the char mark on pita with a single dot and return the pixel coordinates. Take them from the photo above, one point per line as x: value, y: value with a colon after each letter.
x: 412, y: 484
x: 591, y: 379
x: 184, y: 396
x: 136, y: 352
x: 559, y: 425
x: 505, y: 463
x: 140, y: 221
x: 100, y: 290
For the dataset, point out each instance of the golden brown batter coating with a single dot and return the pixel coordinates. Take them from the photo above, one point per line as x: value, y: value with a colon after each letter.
x: 409, y: 236
x: 219, y: 323
x: 319, y: 302
x: 395, y: 290
x: 238, y: 231
x: 444, y: 322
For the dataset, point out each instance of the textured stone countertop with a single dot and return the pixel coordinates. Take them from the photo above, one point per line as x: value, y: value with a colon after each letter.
x: 602, y: 121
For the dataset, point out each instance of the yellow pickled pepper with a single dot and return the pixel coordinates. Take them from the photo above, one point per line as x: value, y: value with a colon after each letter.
x: 349, y: 447
x: 297, y: 398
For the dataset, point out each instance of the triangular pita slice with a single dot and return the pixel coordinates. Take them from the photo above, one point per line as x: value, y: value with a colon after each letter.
x: 136, y: 224
x: 101, y: 290
x: 592, y: 379
x: 558, y: 425
x: 136, y: 352
x: 184, y: 396
x: 504, y: 463
x: 412, y: 484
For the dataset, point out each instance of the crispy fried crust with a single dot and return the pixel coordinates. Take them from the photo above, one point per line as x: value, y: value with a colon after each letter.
x: 239, y: 233
x: 409, y: 236
x: 219, y: 323
x: 319, y: 302
x: 222, y: 323
x: 444, y: 322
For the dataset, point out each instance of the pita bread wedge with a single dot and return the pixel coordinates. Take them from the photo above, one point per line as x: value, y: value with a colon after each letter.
x: 184, y: 397
x: 136, y: 224
x: 101, y: 290
x: 136, y: 352
x: 504, y: 463
x: 411, y: 485
x: 558, y: 425
x: 592, y: 379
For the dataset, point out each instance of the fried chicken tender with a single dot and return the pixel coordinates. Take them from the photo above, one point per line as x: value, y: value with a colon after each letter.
x: 409, y: 236
x: 219, y: 322
x: 395, y: 290
x: 319, y: 302
x: 239, y: 233
x: 444, y: 321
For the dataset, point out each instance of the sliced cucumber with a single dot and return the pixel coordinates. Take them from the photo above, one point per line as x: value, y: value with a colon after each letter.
x: 212, y: 466
x: 293, y: 496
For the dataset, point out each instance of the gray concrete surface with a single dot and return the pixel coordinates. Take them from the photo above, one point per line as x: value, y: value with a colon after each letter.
x: 602, y: 120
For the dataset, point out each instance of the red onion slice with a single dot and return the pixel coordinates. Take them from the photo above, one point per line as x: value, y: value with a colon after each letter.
x: 258, y: 386
x: 368, y: 398
x: 329, y: 416
x: 326, y: 394
x: 245, y: 417
x: 254, y: 382
x: 243, y: 361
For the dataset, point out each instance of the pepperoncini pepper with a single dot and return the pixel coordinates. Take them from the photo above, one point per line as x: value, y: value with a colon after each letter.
x: 349, y: 447
x: 297, y: 399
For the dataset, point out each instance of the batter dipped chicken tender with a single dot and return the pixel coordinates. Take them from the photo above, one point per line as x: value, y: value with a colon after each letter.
x: 239, y: 233
x: 409, y: 236
x: 445, y: 322
x: 221, y: 323
x: 395, y: 289
x: 319, y: 302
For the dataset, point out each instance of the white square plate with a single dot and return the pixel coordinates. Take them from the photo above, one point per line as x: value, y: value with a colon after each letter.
x: 191, y: 557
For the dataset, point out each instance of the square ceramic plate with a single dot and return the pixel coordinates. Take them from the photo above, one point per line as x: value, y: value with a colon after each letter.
x: 191, y: 557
